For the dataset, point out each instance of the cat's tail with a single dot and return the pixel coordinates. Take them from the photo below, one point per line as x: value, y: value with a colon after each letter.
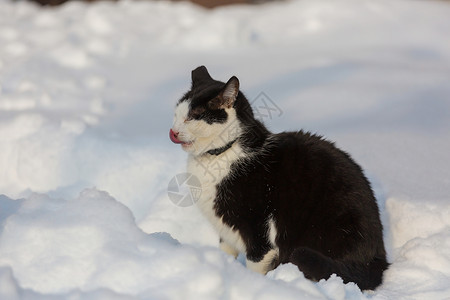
x: 316, y: 266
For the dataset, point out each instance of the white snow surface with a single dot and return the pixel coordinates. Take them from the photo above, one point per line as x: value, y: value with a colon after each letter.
x: 87, y: 93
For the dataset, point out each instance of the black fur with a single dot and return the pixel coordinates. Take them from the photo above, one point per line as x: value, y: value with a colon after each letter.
x: 325, y: 212
x: 205, y: 92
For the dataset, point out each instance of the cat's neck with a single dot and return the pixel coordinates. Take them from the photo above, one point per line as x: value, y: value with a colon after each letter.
x: 253, y: 132
x: 254, y: 136
x: 218, y: 151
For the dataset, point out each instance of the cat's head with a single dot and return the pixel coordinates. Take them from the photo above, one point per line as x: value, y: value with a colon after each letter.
x: 205, y: 117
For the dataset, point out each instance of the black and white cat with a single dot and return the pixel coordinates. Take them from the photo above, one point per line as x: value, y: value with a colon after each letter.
x: 278, y: 198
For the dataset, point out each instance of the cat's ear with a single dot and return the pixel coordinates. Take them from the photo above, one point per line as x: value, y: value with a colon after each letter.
x: 230, y: 92
x: 227, y: 95
x: 200, y: 75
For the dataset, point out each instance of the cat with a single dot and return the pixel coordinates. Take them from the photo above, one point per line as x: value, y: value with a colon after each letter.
x: 291, y: 197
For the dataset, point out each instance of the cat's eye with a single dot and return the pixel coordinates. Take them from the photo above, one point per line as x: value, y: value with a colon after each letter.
x: 195, y: 113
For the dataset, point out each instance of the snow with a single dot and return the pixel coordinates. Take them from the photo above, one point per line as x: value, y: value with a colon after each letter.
x: 86, y: 101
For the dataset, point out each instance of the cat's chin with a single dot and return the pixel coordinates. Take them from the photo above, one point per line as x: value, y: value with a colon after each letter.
x: 187, y: 147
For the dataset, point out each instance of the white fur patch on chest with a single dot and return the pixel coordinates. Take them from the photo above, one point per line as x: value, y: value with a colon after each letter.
x: 211, y: 170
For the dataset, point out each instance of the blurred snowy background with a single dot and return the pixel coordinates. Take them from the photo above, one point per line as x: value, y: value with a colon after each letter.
x: 87, y: 93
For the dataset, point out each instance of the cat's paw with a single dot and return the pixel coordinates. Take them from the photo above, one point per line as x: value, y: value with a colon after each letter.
x: 313, y: 264
x: 228, y: 249
x: 266, y: 264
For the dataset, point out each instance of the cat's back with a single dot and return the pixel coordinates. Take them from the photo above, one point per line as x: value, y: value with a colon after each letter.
x: 303, y: 161
x: 308, y: 150
x: 322, y: 190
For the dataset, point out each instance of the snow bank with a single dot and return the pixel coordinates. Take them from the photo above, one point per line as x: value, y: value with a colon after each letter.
x: 88, y: 243
x: 86, y: 100
x: 91, y: 246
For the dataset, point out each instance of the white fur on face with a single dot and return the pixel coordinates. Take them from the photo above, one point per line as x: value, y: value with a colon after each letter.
x: 202, y: 136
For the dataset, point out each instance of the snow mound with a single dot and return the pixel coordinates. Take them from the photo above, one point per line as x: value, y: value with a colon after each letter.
x: 90, y: 245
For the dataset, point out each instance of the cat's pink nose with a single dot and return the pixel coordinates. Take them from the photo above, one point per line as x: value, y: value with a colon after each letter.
x: 174, y: 137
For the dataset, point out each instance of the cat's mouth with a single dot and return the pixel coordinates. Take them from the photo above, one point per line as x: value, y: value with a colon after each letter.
x: 174, y: 138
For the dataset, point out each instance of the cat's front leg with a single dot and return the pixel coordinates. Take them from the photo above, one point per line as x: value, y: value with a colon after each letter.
x: 228, y: 249
x: 266, y: 263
